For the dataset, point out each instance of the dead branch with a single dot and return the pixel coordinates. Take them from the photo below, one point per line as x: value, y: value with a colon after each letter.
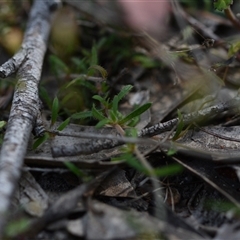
x: 198, y: 116
x: 27, y: 63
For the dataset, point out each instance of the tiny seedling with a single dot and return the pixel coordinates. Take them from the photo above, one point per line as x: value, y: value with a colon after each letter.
x: 109, y: 113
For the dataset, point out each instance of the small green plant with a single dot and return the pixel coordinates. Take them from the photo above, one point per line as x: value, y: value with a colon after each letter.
x: 131, y: 155
x: 58, y: 66
x: 221, y: 5
x: 54, y: 116
x: 109, y: 113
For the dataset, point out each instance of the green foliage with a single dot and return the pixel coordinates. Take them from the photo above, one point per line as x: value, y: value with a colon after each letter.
x: 17, y: 227
x: 93, y: 61
x: 46, y: 136
x: 104, y: 101
x: 40, y: 141
x: 137, y: 112
x: 79, y: 65
x: 94, y: 55
x: 97, y: 114
x: 132, y: 161
x: 2, y: 124
x: 74, y: 169
x: 63, y: 124
x: 121, y: 50
x: 234, y: 48
x: 125, y: 90
x: 82, y: 115
x: 171, y: 151
x: 221, y: 5
x: 82, y: 82
x: 146, y: 61
x: 113, y: 116
x: 200, y: 4
x: 179, y: 126
x: 102, y: 71
x: 57, y: 65
x: 168, y: 170
x: 109, y: 113
x: 45, y: 97
x: 55, y: 109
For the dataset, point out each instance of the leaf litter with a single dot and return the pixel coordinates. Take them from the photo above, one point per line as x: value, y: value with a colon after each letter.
x: 111, y: 199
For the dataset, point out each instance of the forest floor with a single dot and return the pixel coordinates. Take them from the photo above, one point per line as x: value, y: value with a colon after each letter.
x: 141, y: 135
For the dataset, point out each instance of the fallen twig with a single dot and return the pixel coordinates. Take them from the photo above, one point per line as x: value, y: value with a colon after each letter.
x: 25, y: 106
x: 198, y: 116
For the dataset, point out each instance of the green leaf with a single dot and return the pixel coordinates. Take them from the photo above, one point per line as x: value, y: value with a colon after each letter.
x: 146, y: 61
x: 72, y: 167
x: 135, y: 113
x: 94, y: 55
x: 131, y: 132
x: 133, y: 122
x: 45, y: 96
x: 130, y: 160
x: 82, y: 115
x: 63, y: 124
x: 100, y: 99
x: 2, y: 124
x: 168, y: 170
x: 57, y: 65
x: 40, y: 141
x: 67, y: 97
x: 179, y: 126
x: 171, y: 151
x: 113, y: 116
x: 16, y: 227
x: 55, y: 109
x: 102, y: 123
x: 74, y: 81
x: 115, y: 104
x: 80, y: 65
x: 125, y: 90
x: 99, y: 68
x: 88, y: 85
x: 221, y: 5
x: 234, y: 48
x: 97, y: 114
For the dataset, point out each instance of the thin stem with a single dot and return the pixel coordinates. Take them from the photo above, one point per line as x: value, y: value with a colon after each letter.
x: 231, y: 16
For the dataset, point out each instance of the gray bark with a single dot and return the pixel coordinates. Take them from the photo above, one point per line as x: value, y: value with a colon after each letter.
x: 198, y: 116
x: 25, y: 106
